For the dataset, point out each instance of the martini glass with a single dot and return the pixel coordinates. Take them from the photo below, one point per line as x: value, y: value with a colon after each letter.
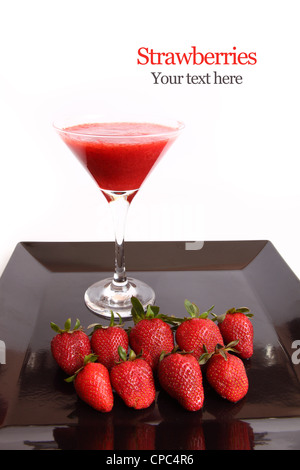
x: 119, y: 156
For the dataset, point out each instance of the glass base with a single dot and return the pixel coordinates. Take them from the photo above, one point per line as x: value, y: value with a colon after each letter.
x: 106, y: 296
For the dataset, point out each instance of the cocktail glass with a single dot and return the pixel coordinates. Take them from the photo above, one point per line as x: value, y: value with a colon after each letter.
x: 119, y: 156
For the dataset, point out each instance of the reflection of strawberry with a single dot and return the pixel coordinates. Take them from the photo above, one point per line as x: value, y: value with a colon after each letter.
x: 151, y: 335
x: 92, y: 384
x: 235, y: 325
x: 87, y: 437
x: 69, y: 347
x: 89, y: 430
x: 239, y: 435
x: 195, y: 439
x: 190, y: 437
x: 229, y: 435
x: 180, y: 376
x: 133, y: 380
x: 197, y: 331
x: 226, y: 373
x: 106, y: 340
x: 138, y: 437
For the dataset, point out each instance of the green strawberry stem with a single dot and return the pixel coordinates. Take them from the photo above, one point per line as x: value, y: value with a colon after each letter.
x: 175, y: 350
x: 244, y: 310
x: 219, y: 349
x: 112, y: 319
x: 67, y: 327
x: 123, y: 355
x: 89, y: 358
x: 194, y: 310
x: 138, y: 313
x: 97, y: 326
x: 218, y: 318
x: 221, y: 318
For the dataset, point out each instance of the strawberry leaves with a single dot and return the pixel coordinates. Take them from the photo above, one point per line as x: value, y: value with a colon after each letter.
x: 87, y: 359
x: 244, y: 310
x: 138, y: 312
x: 195, y: 336
x: 67, y: 327
x: 97, y: 326
x: 152, y: 311
x: 194, y: 311
x: 219, y: 349
x: 126, y: 357
x: 221, y: 318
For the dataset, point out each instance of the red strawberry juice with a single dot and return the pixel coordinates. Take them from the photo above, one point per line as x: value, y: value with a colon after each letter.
x: 119, y: 155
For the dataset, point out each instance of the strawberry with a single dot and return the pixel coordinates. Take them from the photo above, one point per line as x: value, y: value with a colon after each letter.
x: 69, y: 347
x: 226, y: 372
x: 133, y: 380
x: 106, y: 340
x: 180, y: 376
x: 150, y: 334
x: 92, y: 384
x: 236, y: 325
x: 196, y: 331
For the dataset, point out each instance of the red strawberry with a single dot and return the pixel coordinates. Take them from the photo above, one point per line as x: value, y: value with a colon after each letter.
x: 106, y: 340
x: 133, y: 381
x: 69, y: 347
x: 180, y: 376
x: 226, y: 373
x: 196, y: 331
x: 92, y: 384
x: 151, y: 335
x: 235, y: 325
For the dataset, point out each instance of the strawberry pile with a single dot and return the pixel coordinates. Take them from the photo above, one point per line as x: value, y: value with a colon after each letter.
x: 178, y: 353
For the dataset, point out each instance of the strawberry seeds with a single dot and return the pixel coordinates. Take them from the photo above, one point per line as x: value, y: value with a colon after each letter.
x: 177, y: 353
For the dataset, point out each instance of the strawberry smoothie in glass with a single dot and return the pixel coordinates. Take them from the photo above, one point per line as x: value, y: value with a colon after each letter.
x: 119, y: 156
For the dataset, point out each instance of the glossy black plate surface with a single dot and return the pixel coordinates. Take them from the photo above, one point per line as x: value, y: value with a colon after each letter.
x: 45, y: 282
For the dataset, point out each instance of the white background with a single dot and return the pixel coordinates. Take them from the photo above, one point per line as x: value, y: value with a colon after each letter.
x: 232, y: 175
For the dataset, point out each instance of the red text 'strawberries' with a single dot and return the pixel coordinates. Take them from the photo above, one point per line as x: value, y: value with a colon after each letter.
x: 69, y: 347
x: 133, y: 380
x: 180, y: 376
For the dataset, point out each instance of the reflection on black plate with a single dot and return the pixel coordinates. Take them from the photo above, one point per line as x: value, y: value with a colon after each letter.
x: 45, y: 282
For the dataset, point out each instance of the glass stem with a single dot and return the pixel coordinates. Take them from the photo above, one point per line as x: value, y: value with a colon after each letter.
x: 119, y: 207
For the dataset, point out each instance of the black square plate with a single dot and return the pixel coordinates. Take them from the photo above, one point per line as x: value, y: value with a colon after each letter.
x: 45, y: 282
